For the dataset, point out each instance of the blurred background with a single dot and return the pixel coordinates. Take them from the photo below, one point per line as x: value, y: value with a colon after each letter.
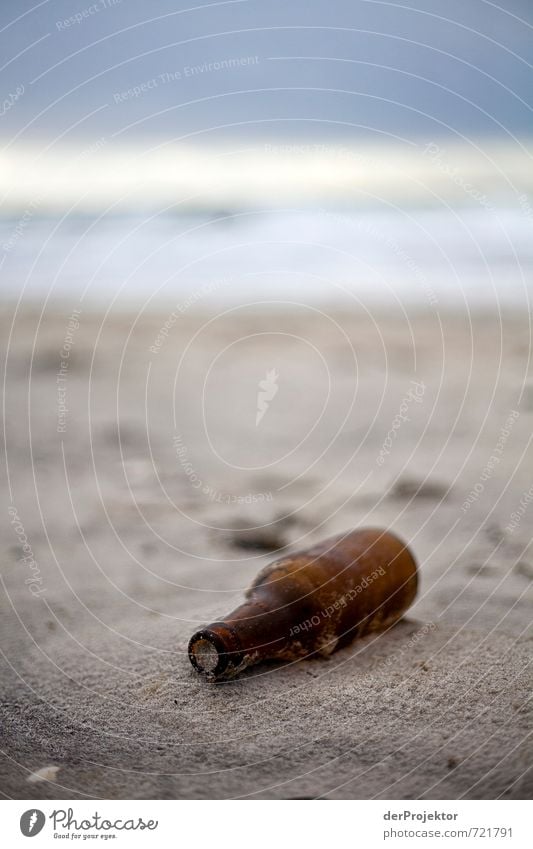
x: 375, y: 149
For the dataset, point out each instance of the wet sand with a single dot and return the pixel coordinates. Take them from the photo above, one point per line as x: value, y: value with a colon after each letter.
x: 144, y: 496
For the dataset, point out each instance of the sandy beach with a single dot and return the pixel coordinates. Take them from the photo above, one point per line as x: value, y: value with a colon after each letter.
x: 142, y: 496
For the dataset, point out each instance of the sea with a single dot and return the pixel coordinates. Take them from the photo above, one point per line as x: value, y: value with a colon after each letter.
x: 431, y: 227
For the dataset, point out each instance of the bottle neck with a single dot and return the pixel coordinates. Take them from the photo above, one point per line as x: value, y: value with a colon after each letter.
x: 251, y: 633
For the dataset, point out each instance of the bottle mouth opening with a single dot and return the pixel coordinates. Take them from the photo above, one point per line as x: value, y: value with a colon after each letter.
x: 214, y: 654
x: 204, y: 655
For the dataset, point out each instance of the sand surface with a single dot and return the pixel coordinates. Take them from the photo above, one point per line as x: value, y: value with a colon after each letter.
x: 159, y: 498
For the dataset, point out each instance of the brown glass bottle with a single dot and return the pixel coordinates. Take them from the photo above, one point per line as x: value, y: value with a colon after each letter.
x: 314, y: 601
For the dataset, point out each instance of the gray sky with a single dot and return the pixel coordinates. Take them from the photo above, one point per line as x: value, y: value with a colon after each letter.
x: 365, y: 69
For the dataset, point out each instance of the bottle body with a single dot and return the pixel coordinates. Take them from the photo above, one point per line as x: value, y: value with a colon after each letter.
x: 314, y: 601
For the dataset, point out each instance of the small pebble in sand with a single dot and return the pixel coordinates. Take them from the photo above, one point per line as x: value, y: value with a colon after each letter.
x: 412, y: 488
x: 494, y: 533
x: 46, y: 773
x: 261, y: 539
x: 484, y: 570
x: 452, y: 763
x: 256, y: 537
x: 525, y: 569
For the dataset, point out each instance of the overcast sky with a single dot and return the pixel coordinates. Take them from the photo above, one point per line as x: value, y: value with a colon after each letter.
x: 319, y: 69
